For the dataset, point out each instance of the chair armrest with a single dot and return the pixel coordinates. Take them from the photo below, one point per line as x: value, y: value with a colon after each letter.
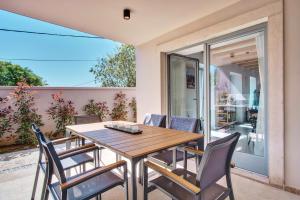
x: 75, y: 149
x: 194, y: 151
x: 74, y: 153
x: 91, y: 174
x: 199, y: 152
x: 62, y: 140
x: 173, y: 177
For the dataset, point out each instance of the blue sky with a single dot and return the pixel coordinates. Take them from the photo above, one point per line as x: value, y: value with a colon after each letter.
x: 21, y: 45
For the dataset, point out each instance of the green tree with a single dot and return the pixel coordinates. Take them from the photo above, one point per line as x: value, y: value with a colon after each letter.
x: 11, y: 74
x: 118, y: 69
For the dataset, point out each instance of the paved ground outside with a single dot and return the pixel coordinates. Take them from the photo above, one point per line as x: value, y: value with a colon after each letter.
x: 17, y: 172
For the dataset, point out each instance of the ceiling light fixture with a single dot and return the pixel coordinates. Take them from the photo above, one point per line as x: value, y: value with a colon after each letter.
x: 126, y: 14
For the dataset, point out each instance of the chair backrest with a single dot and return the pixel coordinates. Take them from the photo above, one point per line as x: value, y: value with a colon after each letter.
x: 55, y: 165
x: 184, y: 124
x: 85, y: 119
x: 155, y: 120
x: 39, y: 136
x: 215, y: 162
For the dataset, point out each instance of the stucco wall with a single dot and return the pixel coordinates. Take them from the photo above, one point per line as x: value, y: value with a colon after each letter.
x: 237, y: 17
x: 292, y: 92
x: 79, y: 96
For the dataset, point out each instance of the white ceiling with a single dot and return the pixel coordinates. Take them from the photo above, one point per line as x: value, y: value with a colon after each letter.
x: 149, y: 18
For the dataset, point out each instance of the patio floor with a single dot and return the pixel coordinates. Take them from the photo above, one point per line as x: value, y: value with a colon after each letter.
x: 17, y: 174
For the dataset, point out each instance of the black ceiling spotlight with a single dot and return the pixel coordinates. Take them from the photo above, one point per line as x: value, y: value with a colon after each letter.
x: 126, y: 14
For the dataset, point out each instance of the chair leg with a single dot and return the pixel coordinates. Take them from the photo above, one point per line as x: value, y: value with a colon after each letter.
x: 35, y: 181
x: 44, y: 184
x: 98, y: 197
x: 145, y: 182
x: 125, y: 176
x: 84, y: 167
x: 46, y: 197
x: 64, y: 195
x: 229, y: 185
x: 99, y: 156
x: 174, y: 158
x: 184, y: 160
x: 141, y: 171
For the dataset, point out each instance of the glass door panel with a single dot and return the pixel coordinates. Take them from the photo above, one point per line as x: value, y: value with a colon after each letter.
x: 183, y: 76
x: 237, y: 97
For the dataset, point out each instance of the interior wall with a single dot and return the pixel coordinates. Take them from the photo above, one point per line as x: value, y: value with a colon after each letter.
x: 225, y: 79
x: 292, y: 92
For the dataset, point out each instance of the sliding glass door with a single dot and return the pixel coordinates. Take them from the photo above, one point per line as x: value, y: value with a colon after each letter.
x: 223, y: 82
x: 237, y: 90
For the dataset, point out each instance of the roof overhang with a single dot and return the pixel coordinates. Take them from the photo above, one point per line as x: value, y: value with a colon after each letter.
x: 149, y: 19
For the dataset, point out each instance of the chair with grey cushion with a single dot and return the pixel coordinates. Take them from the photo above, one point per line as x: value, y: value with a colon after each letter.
x: 87, y: 185
x: 183, y: 124
x: 181, y: 184
x: 87, y: 119
x: 69, y: 158
x: 155, y: 120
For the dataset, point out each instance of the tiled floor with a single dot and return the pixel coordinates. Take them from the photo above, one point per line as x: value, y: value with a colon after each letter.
x: 17, y: 174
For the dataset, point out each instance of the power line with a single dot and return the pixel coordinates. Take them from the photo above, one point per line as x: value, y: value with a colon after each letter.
x: 84, y: 83
x: 48, y: 60
x: 51, y: 34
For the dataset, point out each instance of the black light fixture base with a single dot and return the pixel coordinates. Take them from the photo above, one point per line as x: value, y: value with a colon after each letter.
x: 126, y: 14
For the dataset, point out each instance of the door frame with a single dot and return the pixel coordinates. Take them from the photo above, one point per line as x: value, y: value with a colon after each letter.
x: 262, y: 164
x: 240, y: 33
x: 169, y: 84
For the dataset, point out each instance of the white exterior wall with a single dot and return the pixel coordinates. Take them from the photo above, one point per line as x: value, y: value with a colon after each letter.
x: 292, y: 92
x: 148, y: 80
x: 150, y: 76
x: 79, y: 95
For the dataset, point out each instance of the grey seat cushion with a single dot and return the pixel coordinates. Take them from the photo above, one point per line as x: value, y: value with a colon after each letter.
x: 175, y: 191
x: 89, y: 188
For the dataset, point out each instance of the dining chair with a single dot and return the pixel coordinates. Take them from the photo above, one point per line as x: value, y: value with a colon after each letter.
x: 181, y: 184
x: 155, y: 120
x: 166, y: 157
x: 87, y: 119
x: 86, y: 185
x: 70, y: 158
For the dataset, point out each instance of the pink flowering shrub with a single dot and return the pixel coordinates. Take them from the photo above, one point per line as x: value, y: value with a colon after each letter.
x: 99, y: 109
x: 6, y: 116
x: 119, y: 111
x: 62, y: 112
x: 25, y: 113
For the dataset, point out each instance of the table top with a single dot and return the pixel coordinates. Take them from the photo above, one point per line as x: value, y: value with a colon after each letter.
x: 152, y: 139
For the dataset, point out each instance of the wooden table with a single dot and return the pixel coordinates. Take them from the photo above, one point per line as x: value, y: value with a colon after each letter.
x: 133, y: 147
